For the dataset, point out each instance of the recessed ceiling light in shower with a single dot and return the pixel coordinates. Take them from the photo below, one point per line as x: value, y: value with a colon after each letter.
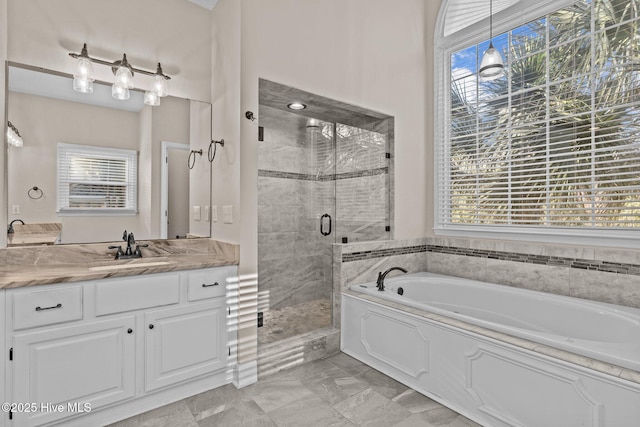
x: 296, y: 106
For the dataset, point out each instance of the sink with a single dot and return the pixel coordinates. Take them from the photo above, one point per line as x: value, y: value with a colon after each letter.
x: 125, y: 266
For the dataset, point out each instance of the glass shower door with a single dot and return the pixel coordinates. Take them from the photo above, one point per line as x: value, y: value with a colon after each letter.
x: 361, y: 184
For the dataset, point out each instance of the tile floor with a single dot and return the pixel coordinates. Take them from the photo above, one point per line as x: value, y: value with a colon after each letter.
x: 336, y: 391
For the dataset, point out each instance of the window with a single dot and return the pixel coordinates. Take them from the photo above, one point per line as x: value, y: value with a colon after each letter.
x: 96, y: 180
x: 553, y: 148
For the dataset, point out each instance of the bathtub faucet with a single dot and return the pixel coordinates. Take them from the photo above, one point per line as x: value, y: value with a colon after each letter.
x: 381, y: 276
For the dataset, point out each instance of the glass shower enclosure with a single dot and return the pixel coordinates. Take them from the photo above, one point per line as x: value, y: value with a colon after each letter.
x: 323, y: 179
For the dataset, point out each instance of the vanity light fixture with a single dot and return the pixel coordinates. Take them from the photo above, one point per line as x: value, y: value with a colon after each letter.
x: 83, y: 77
x: 13, y: 136
x: 492, y: 66
x: 296, y: 106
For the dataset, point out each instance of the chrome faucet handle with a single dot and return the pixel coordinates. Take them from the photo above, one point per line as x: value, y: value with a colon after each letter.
x: 124, y: 235
x: 119, y: 251
x: 138, y: 252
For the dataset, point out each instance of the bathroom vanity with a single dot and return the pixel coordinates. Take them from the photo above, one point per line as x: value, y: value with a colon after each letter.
x: 94, y: 351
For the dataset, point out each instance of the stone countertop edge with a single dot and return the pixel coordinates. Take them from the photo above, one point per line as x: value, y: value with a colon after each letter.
x: 566, y: 356
x: 29, y: 274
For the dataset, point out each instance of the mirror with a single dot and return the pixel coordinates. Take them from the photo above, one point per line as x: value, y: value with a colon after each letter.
x: 169, y: 200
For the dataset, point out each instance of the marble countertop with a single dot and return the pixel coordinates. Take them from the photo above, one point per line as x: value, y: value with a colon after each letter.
x: 34, y: 234
x: 31, y: 266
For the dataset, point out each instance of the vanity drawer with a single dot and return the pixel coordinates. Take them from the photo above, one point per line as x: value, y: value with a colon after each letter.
x: 135, y: 293
x: 46, y: 307
x: 207, y: 283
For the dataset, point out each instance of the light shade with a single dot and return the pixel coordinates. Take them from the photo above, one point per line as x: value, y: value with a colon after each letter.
x: 160, y: 82
x: 84, y: 69
x: 13, y: 136
x: 119, y: 92
x: 82, y: 85
x: 124, y: 77
x: 83, y: 77
x: 492, y: 66
x: 151, y: 98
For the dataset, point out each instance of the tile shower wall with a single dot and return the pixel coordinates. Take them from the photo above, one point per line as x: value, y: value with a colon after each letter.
x: 302, y: 177
x: 293, y: 257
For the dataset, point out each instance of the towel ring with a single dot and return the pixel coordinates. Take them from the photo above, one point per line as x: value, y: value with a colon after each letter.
x: 37, y: 193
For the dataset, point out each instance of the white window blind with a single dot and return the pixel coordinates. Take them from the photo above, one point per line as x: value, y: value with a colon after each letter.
x: 96, y: 180
x: 555, y: 144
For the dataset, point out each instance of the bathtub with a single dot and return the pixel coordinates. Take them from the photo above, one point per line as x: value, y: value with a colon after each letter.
x: 453, y: 340
x: 601, y: 331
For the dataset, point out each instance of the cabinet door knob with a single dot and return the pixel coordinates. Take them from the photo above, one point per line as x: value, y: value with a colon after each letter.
x: 151, y: 326
x: 129, y: 331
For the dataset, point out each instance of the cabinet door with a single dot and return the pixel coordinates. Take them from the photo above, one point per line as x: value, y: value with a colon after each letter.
x: 61, y: 369
x: 184, y: 342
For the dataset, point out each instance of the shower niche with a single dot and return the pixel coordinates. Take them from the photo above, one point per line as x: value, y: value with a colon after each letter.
x: 324, y: 178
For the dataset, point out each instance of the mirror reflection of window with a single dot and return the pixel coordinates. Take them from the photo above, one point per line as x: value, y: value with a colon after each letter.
x: 96, y: 180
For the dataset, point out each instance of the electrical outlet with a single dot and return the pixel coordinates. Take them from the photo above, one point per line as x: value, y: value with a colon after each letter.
x: 15, y: 209
x: 227, y: 214
x: 196, y: 213
x: 214, y: 213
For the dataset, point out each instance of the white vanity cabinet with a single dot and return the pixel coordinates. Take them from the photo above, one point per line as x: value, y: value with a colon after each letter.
x: 91, y: 353
x: 88, y: 363
x: 184, y: 342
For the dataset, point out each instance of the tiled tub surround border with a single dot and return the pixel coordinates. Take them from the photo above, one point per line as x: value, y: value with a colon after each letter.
x: 584, y: 264
x: 599, y: 274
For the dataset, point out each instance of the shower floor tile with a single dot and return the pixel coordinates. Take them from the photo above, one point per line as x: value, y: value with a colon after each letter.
x: 287, y: 322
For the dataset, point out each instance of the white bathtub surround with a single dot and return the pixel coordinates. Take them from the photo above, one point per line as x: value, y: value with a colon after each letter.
x: 491, y: 375
x: 600, y: 331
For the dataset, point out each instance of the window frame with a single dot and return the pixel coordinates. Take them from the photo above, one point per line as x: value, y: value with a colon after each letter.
x: 516, y: 15
x: 63, y: 199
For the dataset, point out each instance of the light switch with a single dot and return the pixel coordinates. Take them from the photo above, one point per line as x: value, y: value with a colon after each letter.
x: 227, y: 214
x: 196, y: 213
x: 206, y: 213
x: 214, y: 213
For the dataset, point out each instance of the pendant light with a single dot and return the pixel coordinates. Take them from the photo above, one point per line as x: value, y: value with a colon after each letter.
x: 491, y: 66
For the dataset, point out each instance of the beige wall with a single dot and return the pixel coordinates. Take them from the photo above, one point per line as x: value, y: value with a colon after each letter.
x: 226, y: 115
x: 368, y: 53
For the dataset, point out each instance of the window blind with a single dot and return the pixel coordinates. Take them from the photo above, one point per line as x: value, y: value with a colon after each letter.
x: 556, y: 142
x: 96, y: 180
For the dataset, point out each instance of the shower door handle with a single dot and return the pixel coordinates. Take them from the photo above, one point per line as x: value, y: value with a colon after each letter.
x: 325, y: 233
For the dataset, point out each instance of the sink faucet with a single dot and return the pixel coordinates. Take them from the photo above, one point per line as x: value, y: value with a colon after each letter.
x: 130, y: 242
x: 381, y: 276
x: 10, y: 229
x: 130, y: 252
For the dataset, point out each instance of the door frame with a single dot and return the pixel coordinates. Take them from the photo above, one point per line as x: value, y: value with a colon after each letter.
x: 164, y: 183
